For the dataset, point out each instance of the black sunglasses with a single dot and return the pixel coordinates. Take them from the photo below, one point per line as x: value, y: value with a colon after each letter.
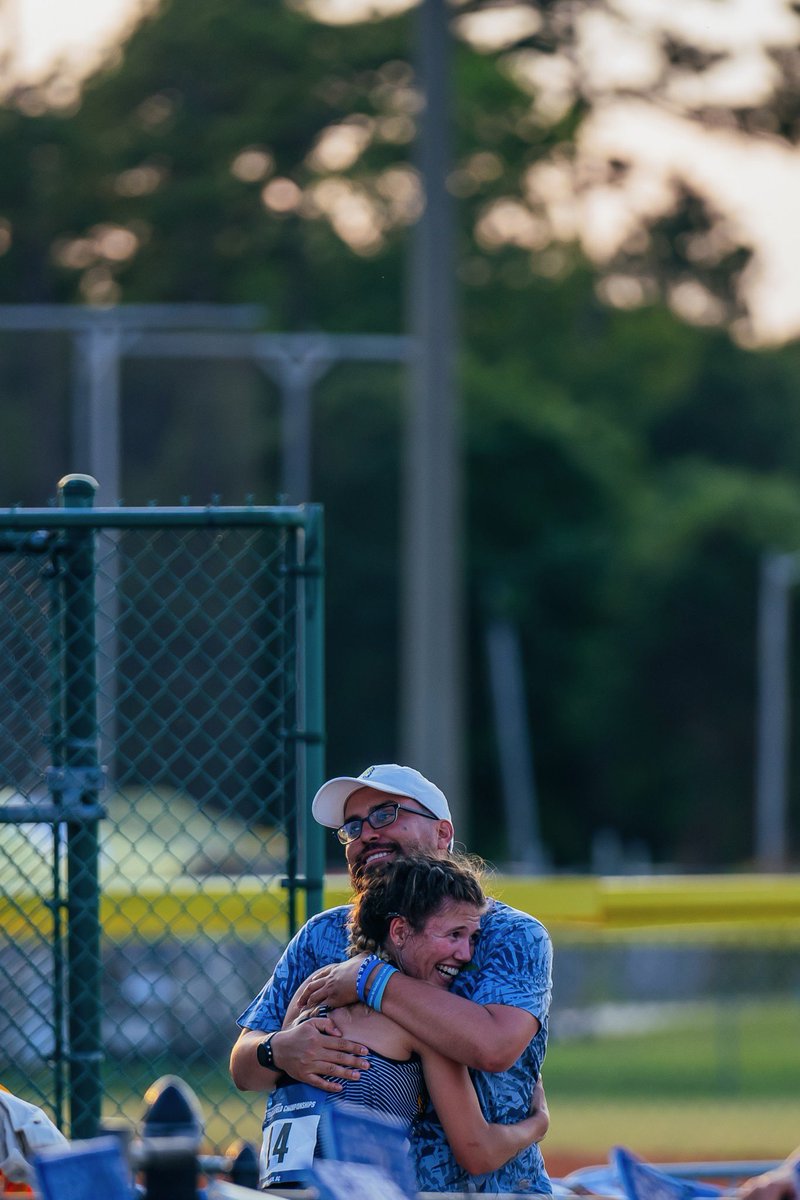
x: 379, y: 818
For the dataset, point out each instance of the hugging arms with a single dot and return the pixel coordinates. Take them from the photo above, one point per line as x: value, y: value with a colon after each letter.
x: 511, y: 963
x: 493, y: 1019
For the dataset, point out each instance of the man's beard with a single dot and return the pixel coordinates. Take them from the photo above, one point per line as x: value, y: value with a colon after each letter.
x: 359, y: 875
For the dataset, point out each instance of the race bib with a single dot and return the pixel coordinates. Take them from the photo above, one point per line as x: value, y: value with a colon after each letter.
x: 290, y: 1134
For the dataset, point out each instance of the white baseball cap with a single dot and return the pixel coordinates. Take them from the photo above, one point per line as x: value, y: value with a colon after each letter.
x: 328, y: 805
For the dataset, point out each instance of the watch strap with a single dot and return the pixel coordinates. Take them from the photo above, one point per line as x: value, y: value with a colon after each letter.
x: 265, y: 1053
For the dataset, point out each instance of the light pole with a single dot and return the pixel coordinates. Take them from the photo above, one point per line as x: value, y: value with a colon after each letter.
x: 432, y: 691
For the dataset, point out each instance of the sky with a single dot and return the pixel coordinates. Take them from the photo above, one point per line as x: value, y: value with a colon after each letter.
x: 40, y: 32
x: 755, y: 182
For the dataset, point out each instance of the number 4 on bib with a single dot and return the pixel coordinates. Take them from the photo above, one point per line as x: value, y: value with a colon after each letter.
x: 290, y: 1135
x: 278, y: 1142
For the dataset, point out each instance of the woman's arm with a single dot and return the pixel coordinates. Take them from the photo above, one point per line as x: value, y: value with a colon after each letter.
x: 782, y: 1183
x: 477, y: 1144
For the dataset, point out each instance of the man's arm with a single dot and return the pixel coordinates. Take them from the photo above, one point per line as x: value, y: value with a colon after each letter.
x: 512, y: 970
x: 306, y: 1052
x: 486, y: 1037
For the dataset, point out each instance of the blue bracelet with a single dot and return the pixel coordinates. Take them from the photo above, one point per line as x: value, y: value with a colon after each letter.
x: 369, y: 996
x: 375, y: 994
x: 376, y: 991
x: 363, y: 971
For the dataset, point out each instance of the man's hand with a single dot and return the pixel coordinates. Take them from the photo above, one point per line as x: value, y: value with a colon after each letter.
x: 780, y: 1184
x: 334, y: 985
x: 306, y: 1052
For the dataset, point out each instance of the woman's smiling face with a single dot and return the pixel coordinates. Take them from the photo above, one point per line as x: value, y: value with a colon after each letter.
x: 437, y: 952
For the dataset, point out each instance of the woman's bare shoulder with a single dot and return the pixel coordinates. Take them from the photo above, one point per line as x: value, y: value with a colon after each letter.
x: 376, y: 1031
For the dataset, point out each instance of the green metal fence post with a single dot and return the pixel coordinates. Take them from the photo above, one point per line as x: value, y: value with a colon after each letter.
x: 213, y: 663
x: 78, y: 780
x: 314, y: 699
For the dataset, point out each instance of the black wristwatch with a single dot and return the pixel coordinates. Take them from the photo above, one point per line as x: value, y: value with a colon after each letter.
x: 264, y: 1053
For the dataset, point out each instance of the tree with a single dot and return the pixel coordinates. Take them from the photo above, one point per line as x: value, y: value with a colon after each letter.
x: 678, y: 175
x: 624, y: 469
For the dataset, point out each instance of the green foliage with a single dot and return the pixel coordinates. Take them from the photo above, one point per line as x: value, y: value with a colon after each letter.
x: 623, y: 472
x: 625, y: 478
x: 151, y: 150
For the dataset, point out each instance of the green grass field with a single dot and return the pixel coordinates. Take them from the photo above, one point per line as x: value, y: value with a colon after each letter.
x: 703, y: 1051
x: 719, y: 1081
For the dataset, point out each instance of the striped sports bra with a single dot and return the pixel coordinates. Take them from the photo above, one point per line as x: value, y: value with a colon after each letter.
x: 390, y: 1085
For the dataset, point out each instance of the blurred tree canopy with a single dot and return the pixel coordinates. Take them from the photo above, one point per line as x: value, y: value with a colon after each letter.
x: 623, y: 470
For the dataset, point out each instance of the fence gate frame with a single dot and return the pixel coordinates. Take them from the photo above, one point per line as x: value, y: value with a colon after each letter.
x: 75, y: 778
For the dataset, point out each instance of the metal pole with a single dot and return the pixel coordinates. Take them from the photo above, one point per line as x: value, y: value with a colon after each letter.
x: 431, y: 701
x: 313, y: 702
x: 96, y: 444
x: 296, y: 374
x: 95, y: 409
x: 296, y: 427
x: 297, y: 362
x: 290, y: 808
x: 513, y: 746
x: 778, y: 573
x: 79, y: 785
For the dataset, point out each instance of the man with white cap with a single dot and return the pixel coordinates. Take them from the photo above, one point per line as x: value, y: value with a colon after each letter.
x: 494, y: 1019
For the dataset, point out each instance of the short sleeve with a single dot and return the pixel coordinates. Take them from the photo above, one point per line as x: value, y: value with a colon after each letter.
x: 513, y: 963
x: 321, y: 941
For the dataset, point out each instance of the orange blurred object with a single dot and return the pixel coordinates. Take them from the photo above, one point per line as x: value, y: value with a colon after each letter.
x: 13, y: 1189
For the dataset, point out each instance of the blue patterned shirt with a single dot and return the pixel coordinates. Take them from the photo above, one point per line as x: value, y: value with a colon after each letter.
x: 512, y: 965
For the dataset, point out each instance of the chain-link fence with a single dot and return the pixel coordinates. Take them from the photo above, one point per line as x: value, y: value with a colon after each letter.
x: 161, y: 731
x: 676, y: 1046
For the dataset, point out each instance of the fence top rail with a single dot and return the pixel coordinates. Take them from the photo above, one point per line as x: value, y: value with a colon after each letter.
x: 181, y: 515
x: 52, y: 318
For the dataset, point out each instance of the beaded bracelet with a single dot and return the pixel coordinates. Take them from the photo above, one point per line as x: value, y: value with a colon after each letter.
x: 363, y: 971
x: 375, y: 994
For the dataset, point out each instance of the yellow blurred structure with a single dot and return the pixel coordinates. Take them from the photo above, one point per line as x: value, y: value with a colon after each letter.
x: 692, y: 905
x: 169, y: 890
